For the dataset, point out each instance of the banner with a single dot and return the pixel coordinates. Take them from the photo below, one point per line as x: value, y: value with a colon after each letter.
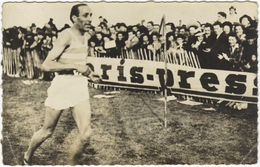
x: 149, y: 75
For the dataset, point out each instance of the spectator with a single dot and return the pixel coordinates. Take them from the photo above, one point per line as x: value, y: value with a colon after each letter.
x: 222, y: 17
x: 231, y: 60
x: 240, y: 32
x: 156, y: 28
x: 191, y: 37
x: 155, y: 46
x: 209, y: 39
x: 132, y: 40
x: 251, y: 65
x: 150, y: 28
x: 232, y: 17
x: 247, y: 23
x: 120, y: 43
x: 113, y: 32
x: 250, y: 46
x: 220, y: 45
x: 227, y: 27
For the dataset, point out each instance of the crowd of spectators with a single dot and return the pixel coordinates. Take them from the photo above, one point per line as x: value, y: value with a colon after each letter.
x: 229, y: 42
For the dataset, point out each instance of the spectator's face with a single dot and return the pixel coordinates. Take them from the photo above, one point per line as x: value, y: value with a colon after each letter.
x: 54, y: 38
x: 91, y: 32
x: 112, y: 30
x: 170, y: 38
x: 99, y: 36
x: 200, y: 38
x: 207, y: 31
x: 106, y: 39
x: 156, y: 28
x: 28, y: 29
x: 130, y: 34
x: 135, y: 29
x: 145, y: 38
x: 192, y: 30
x: 40, y: 36
x: 36, y: 38
x: 253, y: 57
x: 120, y: 37
x: 92, y: 44
x: 239, y: 30
x: 226, y: 29
x: 48, y: 38
x: 245, y: 22
x: 47, y: 25
x: 83, y: 21
x: 123, y: 29
x: 232, y: 41
x: 251, y: 41
x: 182, y: 31
x: 98, y: 29
x: 177, y: 31
x: 217, y: 29
x: 101, y: 19
x: 138, y: 34
x: 231, y: 11
x: 179, y: 41
x: 149, y: 27
x: 155, y: 38
x: 220, y: 18
x: 168, y: 28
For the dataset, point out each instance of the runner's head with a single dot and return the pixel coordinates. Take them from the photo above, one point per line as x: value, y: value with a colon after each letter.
x: 81, y: 16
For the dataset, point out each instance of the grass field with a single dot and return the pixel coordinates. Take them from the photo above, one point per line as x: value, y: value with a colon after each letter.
x: 128, y: 129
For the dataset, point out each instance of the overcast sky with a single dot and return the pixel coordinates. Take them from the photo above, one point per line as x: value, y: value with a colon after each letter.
x: 24, y: 14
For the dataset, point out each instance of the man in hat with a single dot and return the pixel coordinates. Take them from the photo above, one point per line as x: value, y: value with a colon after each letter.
x: 222, y: 17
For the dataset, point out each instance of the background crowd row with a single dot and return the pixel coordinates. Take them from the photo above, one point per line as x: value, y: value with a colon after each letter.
x: 228, y: 43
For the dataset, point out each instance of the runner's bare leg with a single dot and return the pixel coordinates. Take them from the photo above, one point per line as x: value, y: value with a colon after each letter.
x: 82, y: 116
x: 50, y: 121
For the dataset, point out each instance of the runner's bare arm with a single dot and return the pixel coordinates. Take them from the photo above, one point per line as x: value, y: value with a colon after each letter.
x: 51, y: 65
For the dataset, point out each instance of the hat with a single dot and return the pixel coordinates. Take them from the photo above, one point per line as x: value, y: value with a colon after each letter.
x: 223, y: 14
x: 193, y: 23
x: 232, y: 7
x: 199, y: 33
x: 227, y: 23
x: 245, y: 16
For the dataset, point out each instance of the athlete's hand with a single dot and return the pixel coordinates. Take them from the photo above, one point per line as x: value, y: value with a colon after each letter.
x: 83, y: 69
x: 95, y: 77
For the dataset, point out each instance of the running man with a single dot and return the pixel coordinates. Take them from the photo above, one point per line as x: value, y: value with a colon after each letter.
x: 70, y: 87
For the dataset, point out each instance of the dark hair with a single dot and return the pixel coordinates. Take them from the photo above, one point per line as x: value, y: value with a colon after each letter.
x: 75, y: 10
x: 180, y: 36
x: 227, y: 23
x: 233, y: 34
x: 218, y: 23
x: 232, y: 7
x: 209, y: 25
x: 150, y: 22
x: 172, y: 26
x: 223, y: 14
x: 246, y: 16
x: 238, y: 25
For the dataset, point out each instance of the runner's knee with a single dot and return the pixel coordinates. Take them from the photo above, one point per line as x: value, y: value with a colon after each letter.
x: 47, y: 132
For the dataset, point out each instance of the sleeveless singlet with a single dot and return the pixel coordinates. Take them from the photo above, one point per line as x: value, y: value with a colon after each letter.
x: 77, y: 52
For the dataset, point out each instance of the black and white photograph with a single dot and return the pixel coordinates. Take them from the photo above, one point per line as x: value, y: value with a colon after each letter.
x: 129, y: 83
